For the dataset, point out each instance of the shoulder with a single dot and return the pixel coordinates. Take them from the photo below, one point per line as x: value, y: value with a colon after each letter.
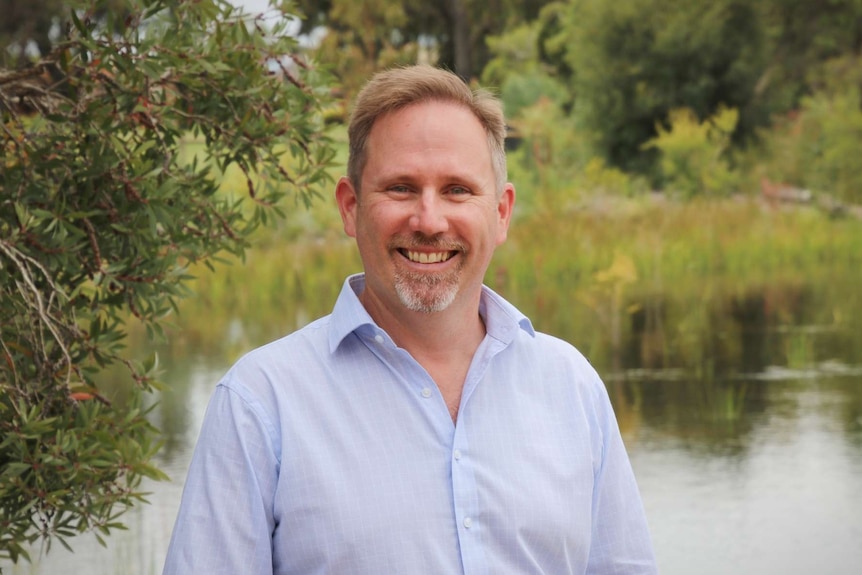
x: 265, y: 371
x: 557, y: 352
x: 556, y: 364
x: 302, y: 344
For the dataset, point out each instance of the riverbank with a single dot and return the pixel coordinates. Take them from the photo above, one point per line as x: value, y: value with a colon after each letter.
x: 601, y: 273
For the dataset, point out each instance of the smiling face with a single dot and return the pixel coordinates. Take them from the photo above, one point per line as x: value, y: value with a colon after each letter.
x: 429, y: 216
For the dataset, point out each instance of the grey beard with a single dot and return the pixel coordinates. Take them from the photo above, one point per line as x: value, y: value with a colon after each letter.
x: 426, y: 293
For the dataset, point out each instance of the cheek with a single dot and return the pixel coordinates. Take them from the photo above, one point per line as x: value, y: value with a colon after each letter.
x: 380, y: 222
x: 371, y: 237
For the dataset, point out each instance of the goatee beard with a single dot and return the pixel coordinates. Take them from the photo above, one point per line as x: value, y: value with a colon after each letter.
x: 428, y: 292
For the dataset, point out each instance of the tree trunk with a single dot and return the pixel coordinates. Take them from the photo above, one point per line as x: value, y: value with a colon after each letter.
x: 460, y: 38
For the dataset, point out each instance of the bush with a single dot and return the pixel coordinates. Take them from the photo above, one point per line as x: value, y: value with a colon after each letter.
x: 831, y: 130
x: 550, y: 155
x: 818, y: 146
x: 693, y: 153
x: 101, y: 217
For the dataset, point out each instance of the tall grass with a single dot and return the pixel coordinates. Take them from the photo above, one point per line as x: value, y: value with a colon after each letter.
x: 676, y: 276
x: 593, y: 274
x: 599, y: 269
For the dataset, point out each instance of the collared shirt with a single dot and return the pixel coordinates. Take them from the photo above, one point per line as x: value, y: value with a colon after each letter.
x: 331, y: 451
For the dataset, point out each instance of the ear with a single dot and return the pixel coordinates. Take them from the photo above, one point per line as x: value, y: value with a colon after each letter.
x: 345, y: 196
x: 505, y: 205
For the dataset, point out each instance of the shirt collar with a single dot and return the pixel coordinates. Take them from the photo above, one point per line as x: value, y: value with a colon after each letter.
x: 502, y: 319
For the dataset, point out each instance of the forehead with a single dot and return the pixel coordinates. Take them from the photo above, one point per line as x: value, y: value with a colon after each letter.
x: 428, y: 130
x: 440, y: 111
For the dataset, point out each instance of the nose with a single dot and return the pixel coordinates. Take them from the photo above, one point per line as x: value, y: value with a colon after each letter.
x: 429, y: 214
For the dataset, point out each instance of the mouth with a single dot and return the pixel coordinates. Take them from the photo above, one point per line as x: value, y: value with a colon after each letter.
x: 427, y: 257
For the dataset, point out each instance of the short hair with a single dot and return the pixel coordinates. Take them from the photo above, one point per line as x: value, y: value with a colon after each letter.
x: 397, y: 88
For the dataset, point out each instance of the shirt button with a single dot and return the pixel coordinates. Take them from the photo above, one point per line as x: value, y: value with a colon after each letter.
x: 468, y: 523
x: 457, y: 454
x: 378, y: 338
x: 426, y: 392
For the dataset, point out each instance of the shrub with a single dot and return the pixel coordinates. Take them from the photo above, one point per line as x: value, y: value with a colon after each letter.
x: 101, y: 217
x: 693, y: 158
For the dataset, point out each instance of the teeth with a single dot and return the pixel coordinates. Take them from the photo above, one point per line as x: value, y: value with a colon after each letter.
x: 426, y: 258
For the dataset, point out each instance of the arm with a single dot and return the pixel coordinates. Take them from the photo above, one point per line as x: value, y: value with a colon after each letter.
x: 620, y: 537
x: 225, y: 521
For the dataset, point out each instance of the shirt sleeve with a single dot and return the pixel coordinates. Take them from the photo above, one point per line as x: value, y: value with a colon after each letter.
x: 225, y: 522
x: 621, y: 543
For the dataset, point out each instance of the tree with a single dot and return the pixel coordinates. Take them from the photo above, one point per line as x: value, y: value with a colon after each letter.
x: 361, y: 37
x: 631, y: 62
x: 804, y: 35
x: 102, y: 213
x: 25, y: 23
x: 458, y: 29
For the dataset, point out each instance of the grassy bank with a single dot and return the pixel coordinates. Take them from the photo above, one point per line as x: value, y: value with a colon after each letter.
x: 683, y: 279
x: 672, y: 279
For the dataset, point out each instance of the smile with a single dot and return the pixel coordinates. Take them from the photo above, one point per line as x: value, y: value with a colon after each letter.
x: 427, y: 258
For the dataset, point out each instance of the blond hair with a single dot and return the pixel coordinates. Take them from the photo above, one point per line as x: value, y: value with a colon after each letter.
x: 398, y: 88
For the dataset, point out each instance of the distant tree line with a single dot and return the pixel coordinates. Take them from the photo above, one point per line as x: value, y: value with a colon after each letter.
x: 618, y: 69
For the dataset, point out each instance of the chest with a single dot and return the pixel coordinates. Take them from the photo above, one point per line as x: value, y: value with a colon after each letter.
x: 391, y: 485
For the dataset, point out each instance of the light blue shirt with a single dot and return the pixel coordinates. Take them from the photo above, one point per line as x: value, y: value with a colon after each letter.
x: 331, y: 451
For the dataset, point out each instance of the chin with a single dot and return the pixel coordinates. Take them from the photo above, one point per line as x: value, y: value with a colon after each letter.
x: 424, y: 302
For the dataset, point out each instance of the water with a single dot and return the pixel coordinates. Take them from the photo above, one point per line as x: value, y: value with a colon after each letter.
x: 784, y: 498
x: 752, y: 466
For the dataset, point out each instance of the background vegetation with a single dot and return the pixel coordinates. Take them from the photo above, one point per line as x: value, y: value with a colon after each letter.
x: 708, y: 146
x: 101, y: 215
x: 596, y: 81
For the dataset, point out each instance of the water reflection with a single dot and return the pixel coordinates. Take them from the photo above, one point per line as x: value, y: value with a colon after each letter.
x: 777, y: 495
x: 743, y: 419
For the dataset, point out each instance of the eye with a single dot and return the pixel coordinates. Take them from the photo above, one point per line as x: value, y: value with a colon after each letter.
x: 459, y: 191
x: 398, y: 189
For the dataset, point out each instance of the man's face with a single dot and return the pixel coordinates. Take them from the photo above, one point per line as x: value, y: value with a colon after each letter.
x: 428, y: 217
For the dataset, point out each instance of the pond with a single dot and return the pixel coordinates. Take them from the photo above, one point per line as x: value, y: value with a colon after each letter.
x: 745, y: 434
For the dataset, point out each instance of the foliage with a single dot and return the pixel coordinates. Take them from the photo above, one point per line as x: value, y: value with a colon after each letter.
x: 101, y: 218
x: 516, y: 71
x: 817, y: 147
x: 452, y: 33
x: 548, y: 158
x: 598, y: 178
x: 634, y: 61
x: 693, y: 158
x: 802, y: 35
x: 514, y: 52
x: 689, y: 258
x: 678, y: 283
x: 553, y: 166
x: 363, y: 37
x: 629, y: 63
x: 831, y: 126
x: 520, y: 91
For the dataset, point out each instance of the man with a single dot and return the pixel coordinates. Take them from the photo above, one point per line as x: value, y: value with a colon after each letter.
x: 423, y: 426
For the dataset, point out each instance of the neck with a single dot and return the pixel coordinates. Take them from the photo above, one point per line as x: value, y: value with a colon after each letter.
x: 453, y: 332
x: 442, y: 342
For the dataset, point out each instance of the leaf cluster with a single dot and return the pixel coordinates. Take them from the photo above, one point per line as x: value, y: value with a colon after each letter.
x: 629, y: 64
x: 101, y: 216
x: 693, y: 153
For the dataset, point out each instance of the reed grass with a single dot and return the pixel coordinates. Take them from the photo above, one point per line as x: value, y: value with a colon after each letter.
x: 687, y: 263
x: 692, y: 260
x: 590, y: 269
